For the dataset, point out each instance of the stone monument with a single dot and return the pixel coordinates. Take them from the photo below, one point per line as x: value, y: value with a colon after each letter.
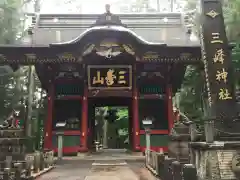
x: 218, y: 157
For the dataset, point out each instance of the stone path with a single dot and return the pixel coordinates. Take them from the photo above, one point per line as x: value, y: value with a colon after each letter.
x: 111, y: 171
x: 68, y: 170
x: 95, y: 170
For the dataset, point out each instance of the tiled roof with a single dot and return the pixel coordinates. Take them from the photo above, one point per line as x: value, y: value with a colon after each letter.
x: 152, y: 28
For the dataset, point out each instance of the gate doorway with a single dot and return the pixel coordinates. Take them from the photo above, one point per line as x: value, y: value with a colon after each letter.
x: 110, y: 123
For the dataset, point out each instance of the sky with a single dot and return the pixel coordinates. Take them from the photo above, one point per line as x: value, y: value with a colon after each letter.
x: 89, y: 6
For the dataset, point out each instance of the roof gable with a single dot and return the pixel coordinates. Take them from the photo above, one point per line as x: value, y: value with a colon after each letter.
x: 119, y: 33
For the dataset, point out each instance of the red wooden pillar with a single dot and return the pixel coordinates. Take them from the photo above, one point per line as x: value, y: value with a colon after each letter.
x: 169, y: 107
x: 84, y: 120
x: 48, y: 122
x: 135, y: 108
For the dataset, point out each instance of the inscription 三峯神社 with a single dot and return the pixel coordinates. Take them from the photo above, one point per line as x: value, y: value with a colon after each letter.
x: 221, y: 75
x: 110, y: 77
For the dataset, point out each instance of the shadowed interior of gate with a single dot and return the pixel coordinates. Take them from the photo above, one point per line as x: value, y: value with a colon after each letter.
x: 69, y: 112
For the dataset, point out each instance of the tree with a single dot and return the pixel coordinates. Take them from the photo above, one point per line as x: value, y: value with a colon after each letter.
x: 236, y: 62
x: 191, y: 93
x: 100, y: 121
x: 140, y: 6
x: 123, y: 119
x: 10, y: 21
x: 232, y: 20
x: 13, y: 87
x: 10, y: 24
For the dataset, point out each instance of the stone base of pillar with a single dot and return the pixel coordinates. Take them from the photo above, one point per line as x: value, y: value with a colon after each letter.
x: 228, y: 137
x: 228, y: 129
x: 83, y: 149
x: 218, y: 160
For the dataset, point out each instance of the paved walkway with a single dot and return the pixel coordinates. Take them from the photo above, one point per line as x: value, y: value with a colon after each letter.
x: 68, y: 170
x: 111, y: 171
x: 97, y: 170
x: 105, y: 165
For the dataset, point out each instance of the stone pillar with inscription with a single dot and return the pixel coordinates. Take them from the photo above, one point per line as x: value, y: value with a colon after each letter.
x: 218, y: 159
x: 218, y: 68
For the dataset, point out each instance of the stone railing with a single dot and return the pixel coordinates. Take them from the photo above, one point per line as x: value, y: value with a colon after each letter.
x: 15, y: 162
x: 192, y: 153
x: 178, y: 164
x: 180, y: 137
x: 167, y: 168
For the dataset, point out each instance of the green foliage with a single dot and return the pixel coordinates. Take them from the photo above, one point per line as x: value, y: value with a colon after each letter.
x: 10, y: 21
x: 14, y: 86
x: 9, y: 27
x: 13, y: 91
x: 120, y: 115
x: 123, y: 119
x: 190, y: 5
x: 236, y: 62
x: 191, y: 93
x: 232, y: 19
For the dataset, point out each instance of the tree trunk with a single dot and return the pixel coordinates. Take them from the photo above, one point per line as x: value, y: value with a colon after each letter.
x: 171, y: 5
x: 158, y: 5
x: 105, y: 134
x: 17, y: 93
x: 28, y: 125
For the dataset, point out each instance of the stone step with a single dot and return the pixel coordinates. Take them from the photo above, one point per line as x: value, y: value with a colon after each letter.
x: 3, y: 163
x: 230, y: 138
x: 14, y: 156
x: 8, y: 133
x: 113, y: 151
x: 109, y: 163
x: 6, y: 141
